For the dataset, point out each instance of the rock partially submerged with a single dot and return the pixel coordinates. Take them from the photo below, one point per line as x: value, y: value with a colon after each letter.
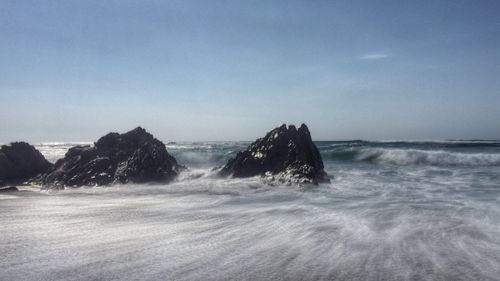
x: 21, y: 161
x: 135, y: 156
x: 286, y: 154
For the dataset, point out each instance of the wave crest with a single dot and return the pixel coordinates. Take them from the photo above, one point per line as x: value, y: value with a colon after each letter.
x: 415, y: 157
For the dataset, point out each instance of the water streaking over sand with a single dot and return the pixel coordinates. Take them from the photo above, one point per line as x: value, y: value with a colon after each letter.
x: 394, y: 211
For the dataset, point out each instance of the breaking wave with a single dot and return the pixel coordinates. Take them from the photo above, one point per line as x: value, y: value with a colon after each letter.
x: 391, y: 212
x: 433, y: 153
x: 414, y: 157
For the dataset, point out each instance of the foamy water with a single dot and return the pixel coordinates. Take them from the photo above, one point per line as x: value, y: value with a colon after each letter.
x: 394, y: 211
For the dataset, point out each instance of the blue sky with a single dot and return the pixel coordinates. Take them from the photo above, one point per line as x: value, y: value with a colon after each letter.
x: 231, y: 70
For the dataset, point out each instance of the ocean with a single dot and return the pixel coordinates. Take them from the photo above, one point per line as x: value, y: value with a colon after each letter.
x: 394, y: 210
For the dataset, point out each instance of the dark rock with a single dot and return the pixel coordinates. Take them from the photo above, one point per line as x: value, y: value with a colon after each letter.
x: 135, y: 156
x: 8, y: 189
x: 21, y: 161
x: 284, y: 154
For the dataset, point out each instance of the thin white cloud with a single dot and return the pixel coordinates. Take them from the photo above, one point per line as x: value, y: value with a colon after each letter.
x: 374, y: 56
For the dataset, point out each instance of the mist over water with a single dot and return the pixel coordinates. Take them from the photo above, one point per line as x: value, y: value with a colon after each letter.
x: 394, y: 211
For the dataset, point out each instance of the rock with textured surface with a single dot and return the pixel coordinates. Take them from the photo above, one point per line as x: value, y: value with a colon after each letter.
x: 285, y: 154
x: 135, y: 156
x: 21, y: 161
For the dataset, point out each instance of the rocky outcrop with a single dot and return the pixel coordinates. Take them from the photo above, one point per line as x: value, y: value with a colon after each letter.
x: 135, y: 156
x: 285, y: 154
x: 21, y: 161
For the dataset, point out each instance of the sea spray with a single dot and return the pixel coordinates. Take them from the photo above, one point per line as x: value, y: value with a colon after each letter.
x: 414, y: 157
x: 377, y: 220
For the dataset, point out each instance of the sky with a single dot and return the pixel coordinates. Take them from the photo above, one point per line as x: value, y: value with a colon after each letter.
x: 232, y: 70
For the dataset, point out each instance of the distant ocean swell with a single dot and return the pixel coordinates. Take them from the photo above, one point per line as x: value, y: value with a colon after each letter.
x: 401, y: 153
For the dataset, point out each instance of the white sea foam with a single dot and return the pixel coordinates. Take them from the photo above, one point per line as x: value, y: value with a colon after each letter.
x: 54, y: 151
x: 426, y: 157
x: 213, y: 229
x: 409, y: 220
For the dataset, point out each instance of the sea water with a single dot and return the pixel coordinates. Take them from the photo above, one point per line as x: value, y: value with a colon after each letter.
x: 393, y: 211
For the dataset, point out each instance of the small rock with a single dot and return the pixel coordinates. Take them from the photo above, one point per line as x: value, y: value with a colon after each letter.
x: 21, y: 161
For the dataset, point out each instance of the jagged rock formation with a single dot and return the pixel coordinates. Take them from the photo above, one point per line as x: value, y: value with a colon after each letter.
x: 284, y: 154
x: 135, y: 156
x: 21, y: 161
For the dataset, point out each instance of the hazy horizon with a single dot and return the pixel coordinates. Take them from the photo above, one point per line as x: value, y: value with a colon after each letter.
x: 222, y: 70
x: 179, y: 141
